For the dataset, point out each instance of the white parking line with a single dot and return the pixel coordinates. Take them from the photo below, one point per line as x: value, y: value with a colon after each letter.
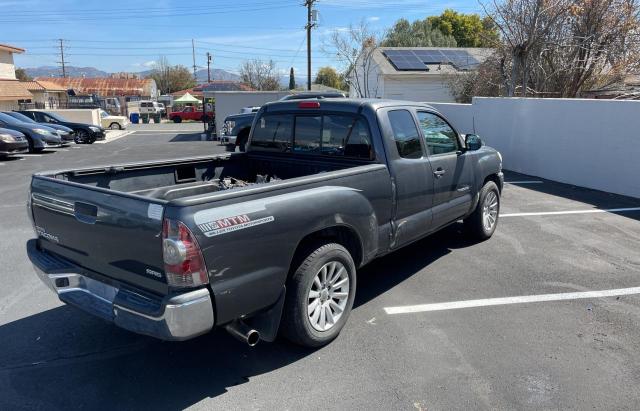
x: 105, y: 141
x: 30, y: 155
x: 592, y: 211
x: 454, y: 305
x: 525, y: 182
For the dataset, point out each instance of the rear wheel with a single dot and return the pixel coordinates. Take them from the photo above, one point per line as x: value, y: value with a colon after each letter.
x: 320, y: 295
x: 115, y: 126
x: 483, y: 221
x: 177, y: 119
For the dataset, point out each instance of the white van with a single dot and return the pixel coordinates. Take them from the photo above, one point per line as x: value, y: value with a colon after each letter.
x: 150, y: 107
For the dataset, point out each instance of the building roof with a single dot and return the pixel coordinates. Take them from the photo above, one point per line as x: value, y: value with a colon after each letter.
x: 11, y: 49
x: 386, y: 68
x: 103, y: 86
x: 13, y: 90
x: 41, y: 85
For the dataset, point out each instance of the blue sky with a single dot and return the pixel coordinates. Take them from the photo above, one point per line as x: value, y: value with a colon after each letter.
x: 122, y: 35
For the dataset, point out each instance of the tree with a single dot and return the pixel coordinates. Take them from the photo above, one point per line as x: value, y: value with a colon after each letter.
x: 560, y: 47
x: 420, y: 33
x: 22, y: 75
x: 171, y: 78
x: 468, y: 30
x: 261, y: 75
x: 354, y: 49
x: 292, y: 79
x: 329, y: 77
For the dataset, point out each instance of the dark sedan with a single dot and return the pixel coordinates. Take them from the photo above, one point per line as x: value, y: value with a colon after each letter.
x: 66, y: 134
x: 38, y: 136
x: 12, y: 142
x: 85, y: 133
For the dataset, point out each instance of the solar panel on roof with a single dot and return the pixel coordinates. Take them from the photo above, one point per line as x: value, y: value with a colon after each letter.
x: 416, y: 59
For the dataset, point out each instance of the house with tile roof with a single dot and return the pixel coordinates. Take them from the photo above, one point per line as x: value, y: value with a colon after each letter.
x: 107, y: 86
x: 412, y: 73
x: 46, y: 94
x: 11, y: 90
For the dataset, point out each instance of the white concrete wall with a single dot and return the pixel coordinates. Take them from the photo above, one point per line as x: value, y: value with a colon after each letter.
x: 80, y: 115
x: 230, y: 102
x: 421, y: 88
x: 587, y: 143
x: 7, y: 68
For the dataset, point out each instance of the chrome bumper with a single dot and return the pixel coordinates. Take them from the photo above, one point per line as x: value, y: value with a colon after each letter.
x: 175, y: 317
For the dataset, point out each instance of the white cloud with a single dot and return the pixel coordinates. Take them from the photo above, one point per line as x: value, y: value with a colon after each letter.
x: 373, y: 18
x: 146, y: 64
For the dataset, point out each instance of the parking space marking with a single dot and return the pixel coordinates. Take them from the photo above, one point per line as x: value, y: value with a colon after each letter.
x: 30, y: 155
x: 488, y: 302
x: 525, y: 182
x: 599, y: 210
x: 105, y: 141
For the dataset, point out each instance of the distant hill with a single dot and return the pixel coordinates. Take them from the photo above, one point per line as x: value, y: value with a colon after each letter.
x: 72, y: 71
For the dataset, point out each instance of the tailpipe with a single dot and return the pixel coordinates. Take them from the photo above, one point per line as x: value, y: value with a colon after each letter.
x: 243, y: 332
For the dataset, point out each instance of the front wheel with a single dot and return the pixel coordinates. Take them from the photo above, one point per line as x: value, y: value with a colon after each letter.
x: 177, y: 119
x: 115, y: 126
x: 483, y: 221
x: 320, y: 295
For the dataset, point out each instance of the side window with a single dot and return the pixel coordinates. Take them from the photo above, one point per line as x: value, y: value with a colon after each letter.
x: 273, y: 132
x: 347, y: 136
x: 307, y: 134
x: 439, y: 137
x: 41, y: 118
x: 405, y: 134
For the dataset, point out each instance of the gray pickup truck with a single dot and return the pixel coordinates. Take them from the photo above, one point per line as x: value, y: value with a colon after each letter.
x: 264, y: 242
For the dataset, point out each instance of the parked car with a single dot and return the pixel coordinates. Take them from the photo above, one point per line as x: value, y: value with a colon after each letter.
x: 12, y: 142
x: 263, y: 241
x: 111, y: 105
x: 38, y: 136
x: 113, y: 122
x: 66, y: 134
x: 150, y: 107
x: 189, y: 113
x: 236, y: 127
x: 84, y: 133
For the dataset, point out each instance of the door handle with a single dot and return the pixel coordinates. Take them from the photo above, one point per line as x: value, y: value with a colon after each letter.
x: 439, y: 172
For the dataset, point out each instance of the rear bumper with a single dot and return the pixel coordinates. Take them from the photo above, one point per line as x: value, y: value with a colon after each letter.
x: 175, y: 317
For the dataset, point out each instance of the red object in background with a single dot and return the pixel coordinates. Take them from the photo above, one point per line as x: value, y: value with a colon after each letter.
x: 188, y: 113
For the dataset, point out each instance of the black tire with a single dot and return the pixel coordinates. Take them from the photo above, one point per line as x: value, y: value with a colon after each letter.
x: 31, y: 146
x: 475, y: 224
x: 82, y: 137
x: 117, y: 126
x: 177, y: 119
x: 296, y: 325
x: 242, y: 139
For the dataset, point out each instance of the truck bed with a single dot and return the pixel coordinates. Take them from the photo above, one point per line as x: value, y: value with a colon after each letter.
x: 176, y: 179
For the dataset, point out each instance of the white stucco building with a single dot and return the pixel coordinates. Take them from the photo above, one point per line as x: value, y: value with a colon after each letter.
x: 11, y: 90
x: 413, y: 73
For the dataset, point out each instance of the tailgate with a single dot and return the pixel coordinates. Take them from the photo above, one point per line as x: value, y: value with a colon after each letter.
x: 114, y: 234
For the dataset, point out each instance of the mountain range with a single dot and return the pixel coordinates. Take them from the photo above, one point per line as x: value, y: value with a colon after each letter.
x: 90, y: 72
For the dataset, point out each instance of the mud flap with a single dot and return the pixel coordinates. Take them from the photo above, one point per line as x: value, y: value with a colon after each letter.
x: 268, y: 322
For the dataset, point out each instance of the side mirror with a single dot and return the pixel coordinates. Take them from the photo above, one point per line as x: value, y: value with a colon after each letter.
x: 473, y: 142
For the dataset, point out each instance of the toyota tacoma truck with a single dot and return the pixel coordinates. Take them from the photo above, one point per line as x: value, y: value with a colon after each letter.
x: 266, y: 242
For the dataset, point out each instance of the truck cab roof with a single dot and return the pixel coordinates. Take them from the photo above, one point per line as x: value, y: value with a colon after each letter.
x: 352, y: 105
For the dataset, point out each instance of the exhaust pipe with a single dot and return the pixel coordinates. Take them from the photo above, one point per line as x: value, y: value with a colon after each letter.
x: 243, y: 332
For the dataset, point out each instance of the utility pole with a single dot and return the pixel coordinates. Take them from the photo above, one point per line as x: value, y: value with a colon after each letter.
x: 62, y: 62
x: 193, y: 51
x: 311, y: 22
x: 209, y: 67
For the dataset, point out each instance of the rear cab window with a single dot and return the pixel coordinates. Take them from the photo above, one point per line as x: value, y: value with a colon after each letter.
x: 339, y: 135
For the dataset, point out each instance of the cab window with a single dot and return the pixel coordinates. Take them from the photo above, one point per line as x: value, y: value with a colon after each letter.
x: 439, y: 137
x: 405, y: 134
x: 273, y: 132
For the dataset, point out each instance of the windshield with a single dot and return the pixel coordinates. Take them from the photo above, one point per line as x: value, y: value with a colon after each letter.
x: 104, y: 114
x: 21, y: 117
x: 10, y: 120
x: 56, y: 116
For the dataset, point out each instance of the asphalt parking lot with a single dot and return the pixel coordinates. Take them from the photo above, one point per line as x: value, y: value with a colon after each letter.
x: 442, y: 324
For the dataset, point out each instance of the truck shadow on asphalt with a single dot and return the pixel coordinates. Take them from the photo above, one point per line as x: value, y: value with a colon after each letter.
x: 196, y: 136
x: 65, y: 359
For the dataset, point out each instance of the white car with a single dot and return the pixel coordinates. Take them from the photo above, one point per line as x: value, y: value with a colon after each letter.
x: 113, y: 122
x: 151, y: 107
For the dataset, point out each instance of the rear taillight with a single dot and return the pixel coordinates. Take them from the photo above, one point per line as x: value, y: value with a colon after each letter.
x: 183, y: 262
